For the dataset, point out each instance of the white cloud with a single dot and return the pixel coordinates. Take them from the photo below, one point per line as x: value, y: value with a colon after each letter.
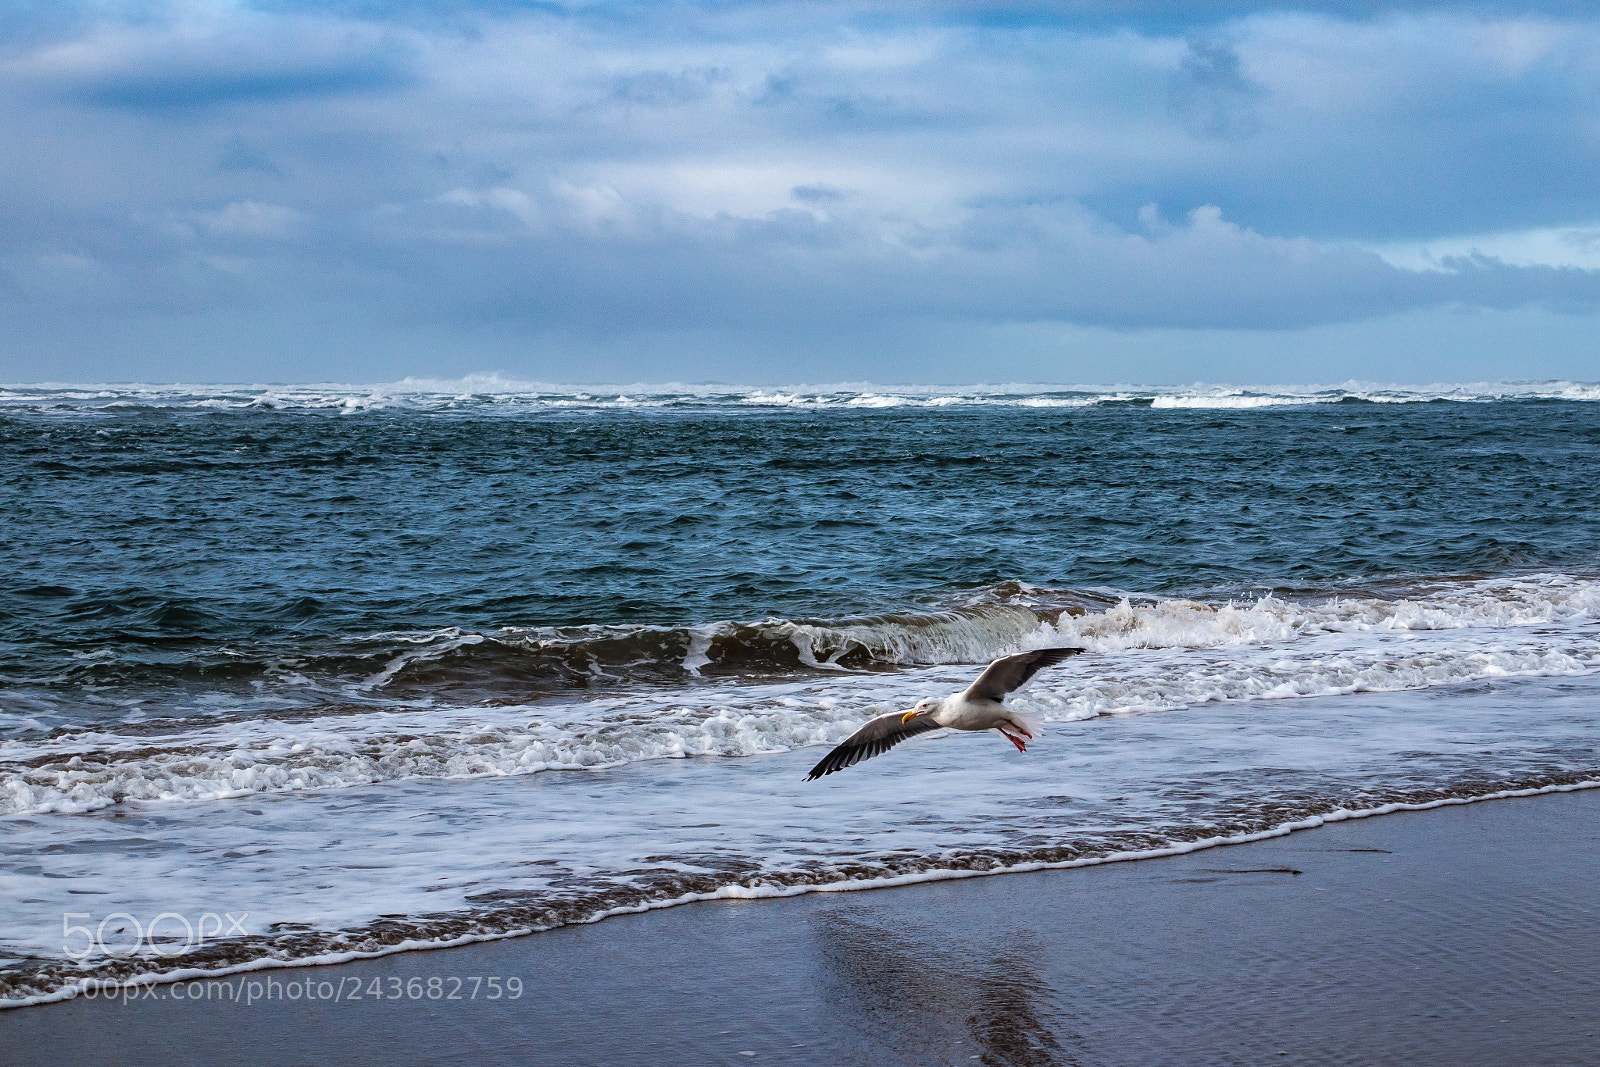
x: 246, y: 218
x: 513, y: 202
x: 1567, y: 246
x: 67, y: 261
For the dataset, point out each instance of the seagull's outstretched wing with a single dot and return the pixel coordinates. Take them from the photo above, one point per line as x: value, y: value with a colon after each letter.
x: 878, y: 736
x: 1008, y: 674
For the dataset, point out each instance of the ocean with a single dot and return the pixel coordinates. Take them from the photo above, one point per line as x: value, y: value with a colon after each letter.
x: 290, y: 675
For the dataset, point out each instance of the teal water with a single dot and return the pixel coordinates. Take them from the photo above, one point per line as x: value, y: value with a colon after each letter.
x: 391, y: 666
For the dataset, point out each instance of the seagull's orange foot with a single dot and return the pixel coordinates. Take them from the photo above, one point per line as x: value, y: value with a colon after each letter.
x: 1015, y: 741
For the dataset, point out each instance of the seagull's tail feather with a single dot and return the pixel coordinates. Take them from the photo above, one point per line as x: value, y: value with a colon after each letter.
x: 1035, y: 727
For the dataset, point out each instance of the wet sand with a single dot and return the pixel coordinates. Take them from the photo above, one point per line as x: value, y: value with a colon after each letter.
x: 1461, y: 935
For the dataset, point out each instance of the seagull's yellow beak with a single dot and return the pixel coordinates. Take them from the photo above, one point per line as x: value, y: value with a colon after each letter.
x: 908, y: 716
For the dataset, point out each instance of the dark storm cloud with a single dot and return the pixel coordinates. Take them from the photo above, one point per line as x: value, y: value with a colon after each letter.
x: 158, y: 90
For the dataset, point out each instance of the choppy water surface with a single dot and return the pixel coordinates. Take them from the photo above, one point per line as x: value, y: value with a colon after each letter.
x: 381, y: 667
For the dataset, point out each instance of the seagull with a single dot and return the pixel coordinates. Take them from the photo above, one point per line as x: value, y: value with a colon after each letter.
x: 979, y: 707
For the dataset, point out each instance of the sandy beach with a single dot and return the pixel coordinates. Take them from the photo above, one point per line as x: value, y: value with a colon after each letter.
x: 1458, y: 935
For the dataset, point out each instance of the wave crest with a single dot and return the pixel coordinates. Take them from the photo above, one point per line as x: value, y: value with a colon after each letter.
x: 490, y: 395
x: 1165, y: 654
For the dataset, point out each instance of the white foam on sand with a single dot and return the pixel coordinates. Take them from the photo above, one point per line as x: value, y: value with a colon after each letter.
x: 95, y: 988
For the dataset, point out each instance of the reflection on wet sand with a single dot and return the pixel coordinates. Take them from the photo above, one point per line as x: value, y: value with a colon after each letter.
x: 909, y: 987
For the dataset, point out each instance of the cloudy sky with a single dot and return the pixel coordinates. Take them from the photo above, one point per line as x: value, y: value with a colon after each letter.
x: 1081, y: 191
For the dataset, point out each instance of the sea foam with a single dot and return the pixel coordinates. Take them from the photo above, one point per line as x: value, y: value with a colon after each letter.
x: 1142, y: 656
x: 489, y: 394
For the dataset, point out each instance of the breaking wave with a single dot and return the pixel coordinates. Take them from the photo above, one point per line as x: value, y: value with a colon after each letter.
x: 1143, y: 655
x: 491, y: 395
x: 519, y: 662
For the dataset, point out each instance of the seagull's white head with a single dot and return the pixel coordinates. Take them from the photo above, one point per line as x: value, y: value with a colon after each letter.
x: 924, y: 706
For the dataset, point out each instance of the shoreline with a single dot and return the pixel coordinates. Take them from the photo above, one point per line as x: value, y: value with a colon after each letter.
x: 743, y: 893
x: 1328, y: 944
